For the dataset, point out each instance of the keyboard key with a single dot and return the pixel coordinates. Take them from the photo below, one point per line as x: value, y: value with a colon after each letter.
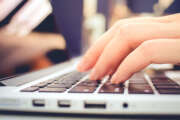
x: 136, y: 76
x: 59, y: 86
x: 164, y: 79
x: 169, y: 91
x: 50, y: 81
x: 138, y: 84
x: 59, y: 90
x: 139, y: 81
x: 111, y: 88
x: 89, y: 83
x: 157, y: 81
x: 82, y: 89
x: 140, y: 89
x: 65, y: 82
x: 72, y: 78
x: 158, y: 74
x: 165, y: 85
x: 76, y: 76
x: 168, y: 87
x: 41, y: 84
x: 30, y: 89
x: 163, y: 82
x: 61, y: 77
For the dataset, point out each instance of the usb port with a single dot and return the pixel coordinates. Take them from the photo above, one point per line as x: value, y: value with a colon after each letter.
x: 38, y: 103
x: 64, y: 103
x: 94, y: 105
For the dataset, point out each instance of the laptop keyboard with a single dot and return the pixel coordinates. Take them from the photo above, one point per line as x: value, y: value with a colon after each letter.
x: 74, y: 82
x: 139, y: 85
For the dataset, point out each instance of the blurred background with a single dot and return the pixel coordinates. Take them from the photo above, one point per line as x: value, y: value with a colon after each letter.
x: 36, y: 34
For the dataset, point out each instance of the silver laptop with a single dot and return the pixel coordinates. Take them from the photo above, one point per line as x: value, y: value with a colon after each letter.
x: 61, y: 89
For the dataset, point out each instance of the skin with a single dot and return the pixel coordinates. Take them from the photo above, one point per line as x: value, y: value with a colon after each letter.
x: 131, y: 45
x: 15, y: 50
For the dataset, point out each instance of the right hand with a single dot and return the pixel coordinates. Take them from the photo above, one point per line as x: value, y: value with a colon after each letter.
x: 131, y: 45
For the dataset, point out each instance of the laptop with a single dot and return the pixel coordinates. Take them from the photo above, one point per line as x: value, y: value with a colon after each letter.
x: 61, y: 89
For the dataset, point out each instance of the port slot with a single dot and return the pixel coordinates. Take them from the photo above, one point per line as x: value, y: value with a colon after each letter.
x: 94, y: 105
x: 38, y: 103
x: 125, y: 105
x: 64, y: 103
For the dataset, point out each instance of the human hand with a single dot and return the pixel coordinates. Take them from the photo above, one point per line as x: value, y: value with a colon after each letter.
x: 131, y: 45
x: 15, y: 50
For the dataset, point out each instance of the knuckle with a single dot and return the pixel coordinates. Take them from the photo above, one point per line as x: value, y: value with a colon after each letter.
x: 123, y: 31
x: 120, y: 22
x: 121, y: 26
x: 117, y: 25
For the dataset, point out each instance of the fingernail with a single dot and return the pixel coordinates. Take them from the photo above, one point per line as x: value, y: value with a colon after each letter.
x: 83, y: 65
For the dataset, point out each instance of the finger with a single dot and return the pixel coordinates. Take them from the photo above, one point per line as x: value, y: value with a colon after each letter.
x: 111, y: 71
x: 94, y: 52
x: 154, y: 51
x: 92, y: 55
x: 137, y: 33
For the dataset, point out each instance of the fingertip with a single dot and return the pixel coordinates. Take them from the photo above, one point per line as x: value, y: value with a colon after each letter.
x: 79, y: 69
x: 113, y: 79
x: 117, y: 82
x: 117, y: 79
x: 93, y: 75
x: 98, y: 73
x: 121, y: 82
x: 83, y: 65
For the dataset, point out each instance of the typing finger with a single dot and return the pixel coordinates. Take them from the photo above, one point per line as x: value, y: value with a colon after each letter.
x: 92, y: 55
x: 153, y: 51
